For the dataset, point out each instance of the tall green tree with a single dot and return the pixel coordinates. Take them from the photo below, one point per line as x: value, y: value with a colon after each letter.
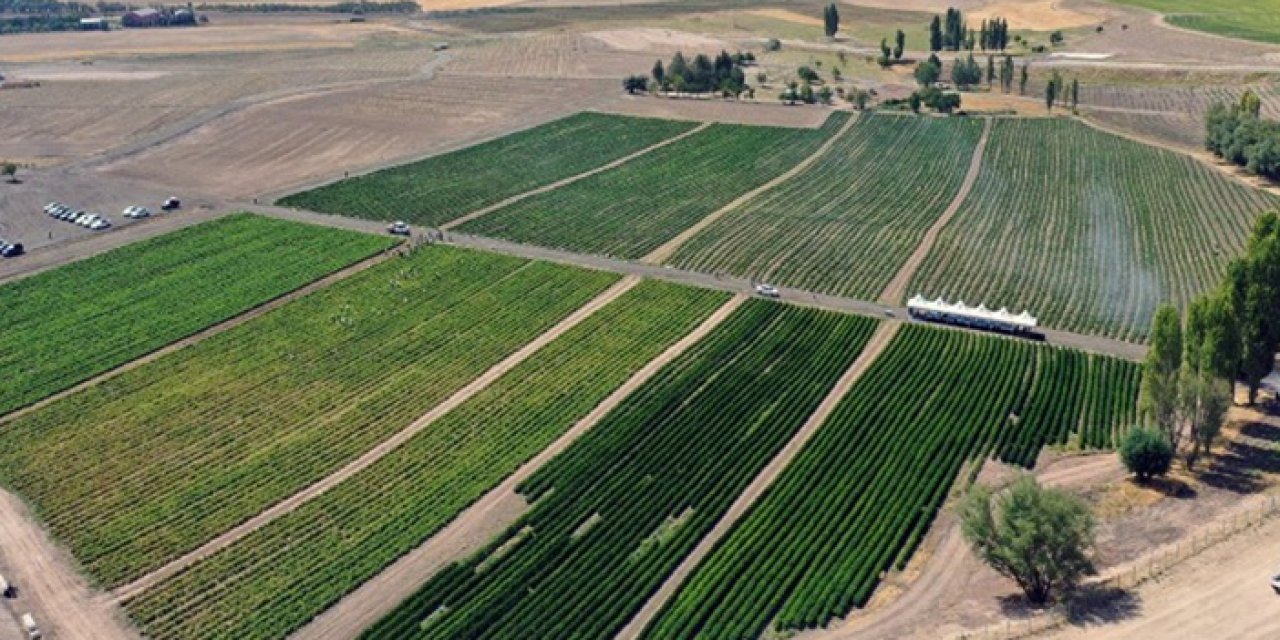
x: 1250, y: 103
x: 830, y: 20
x: 659, y: 73
x: 1039, y: 537
x: 899, y: 44
x: 1253, y: 289
x: 935, y: 34
x: 1075, y: 93
x: 1022, y: 79
x: 928, y: 71
x: 991, y: 70
x: 1158, y: 399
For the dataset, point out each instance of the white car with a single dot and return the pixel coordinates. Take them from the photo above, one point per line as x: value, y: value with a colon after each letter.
x: 83, y: 219
x: 767, y: 290
x: 88, y: 219
x: 135, y: 212
x: 99, y: 224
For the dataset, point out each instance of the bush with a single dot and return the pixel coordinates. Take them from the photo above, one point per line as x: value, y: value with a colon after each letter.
x: 1037, y: 536
x: 1146, y: 453
x: 774, y: 44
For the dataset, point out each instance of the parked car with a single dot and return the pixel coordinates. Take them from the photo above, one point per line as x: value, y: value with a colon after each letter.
x: 171, y: 204
x: 398, y: 228
x: 88, y: 219
x: 11, y: 250
x: 99, y: 224
x: 767, y: 290
x: 136, y: 212
x: 1275, y: 583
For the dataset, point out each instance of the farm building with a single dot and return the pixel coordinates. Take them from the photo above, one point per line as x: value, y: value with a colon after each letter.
x: 978, y: 317
x: 94, y: 24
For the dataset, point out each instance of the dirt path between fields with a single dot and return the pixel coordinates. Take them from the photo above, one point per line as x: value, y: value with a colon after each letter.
x: 205, y: 333
x: 47, y: 584
x: 896, y: 289
x: 482, y: 521
x: 572, y: 179
x: 662, y: 253
x: 385, y: 447
x: 875, y: 346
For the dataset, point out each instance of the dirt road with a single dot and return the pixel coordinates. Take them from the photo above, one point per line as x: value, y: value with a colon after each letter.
x: 383, y: 448
x: 879, y: 341
x: 1222, y: 593
x: 896, y: 289
x: 572, y: 179
x: 47, y: 583
x: 662, y: 253
x: 492, y: 514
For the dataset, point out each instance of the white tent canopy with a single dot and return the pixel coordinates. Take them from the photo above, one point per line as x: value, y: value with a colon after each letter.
x: 1002, y: 318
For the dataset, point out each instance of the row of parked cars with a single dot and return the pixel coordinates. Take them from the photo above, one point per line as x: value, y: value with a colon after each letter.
x: 60, y: 211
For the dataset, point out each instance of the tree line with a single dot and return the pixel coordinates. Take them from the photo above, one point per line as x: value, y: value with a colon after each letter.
x: 724, y: 74
x: 1238, y: 134
x: 1229, y: 334
x: 952, y: 33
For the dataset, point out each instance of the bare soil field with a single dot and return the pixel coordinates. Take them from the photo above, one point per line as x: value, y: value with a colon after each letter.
x: 212, y: 38
x: 80, y: 110
x: 276, y: 146
x: 649, y: 39
x: 549, y: 56
x: 1035, y: 15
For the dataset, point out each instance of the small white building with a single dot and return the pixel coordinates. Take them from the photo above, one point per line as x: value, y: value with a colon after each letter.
x: 979, y: 317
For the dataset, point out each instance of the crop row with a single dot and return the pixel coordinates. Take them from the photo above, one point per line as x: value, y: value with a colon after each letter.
x: 632, y: 209
x: 69, y: 324
x: 1088, y: 231
x: 846, y: 224
x: 150, y: 464
x: 347, y: 535
x: 863, y: 492
x: 443, y: 188
x: 616, y: 512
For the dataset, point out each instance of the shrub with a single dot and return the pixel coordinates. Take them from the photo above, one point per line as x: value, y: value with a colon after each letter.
x: 1146, y: 453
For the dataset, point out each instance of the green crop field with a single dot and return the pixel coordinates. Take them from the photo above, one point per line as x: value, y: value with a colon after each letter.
x: 633, y: 209
x: 150, y: 464
x: 862, y: 493
x: 66, y: 325
x: 1088, y: 231
x: 446, y: 187
x: 847, y: 223
x: 616, y: 512
x: 1245, y: 19
x: 347, y: 535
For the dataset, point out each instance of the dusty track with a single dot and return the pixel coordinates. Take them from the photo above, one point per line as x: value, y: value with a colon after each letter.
x: 662, y: 253
x: 205, y: 333
x: 489, y: 516
x: 370, y: 457
x: 896, y: 289
x: 48, y: 585
x: 879, y: 341
x: 572, y: 179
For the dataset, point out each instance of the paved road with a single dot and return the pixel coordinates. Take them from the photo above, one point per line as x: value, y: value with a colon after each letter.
x: 1093, y: 344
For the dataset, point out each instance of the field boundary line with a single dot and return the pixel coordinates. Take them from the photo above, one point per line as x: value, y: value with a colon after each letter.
x: 283, y: 507
x: 572, y: 179
x: 875, y: 346
x: 894, y: 291
x: 205, y: 333
x: 486, y: 518
x: 51, y: 588
x: 662, y: 253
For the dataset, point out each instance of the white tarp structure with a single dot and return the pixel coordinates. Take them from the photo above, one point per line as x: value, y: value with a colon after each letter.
x: 962, y: 314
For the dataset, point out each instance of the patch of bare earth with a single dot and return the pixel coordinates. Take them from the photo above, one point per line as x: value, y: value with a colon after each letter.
x: 651, y: 39
x: 716, y: 110
x: 272, y: 147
